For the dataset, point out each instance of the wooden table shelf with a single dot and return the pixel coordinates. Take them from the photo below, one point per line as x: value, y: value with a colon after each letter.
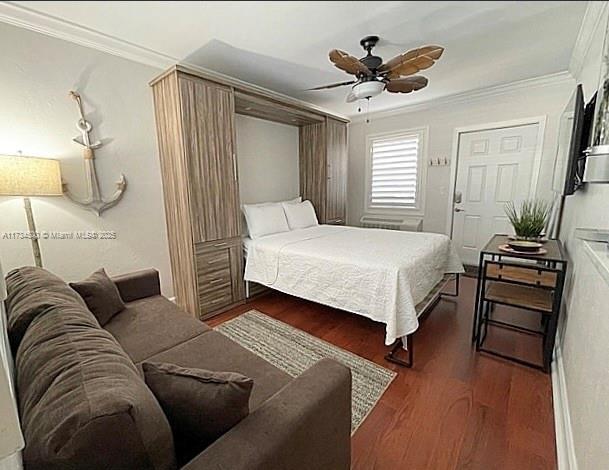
x: 522, y: 274
x: 519, y: 296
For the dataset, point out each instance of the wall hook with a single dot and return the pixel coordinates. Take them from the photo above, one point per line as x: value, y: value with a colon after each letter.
x: 94, y: 200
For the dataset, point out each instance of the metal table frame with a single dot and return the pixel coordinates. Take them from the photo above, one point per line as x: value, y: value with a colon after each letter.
x: 554, y: 261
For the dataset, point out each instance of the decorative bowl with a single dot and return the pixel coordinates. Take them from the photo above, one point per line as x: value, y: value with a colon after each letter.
x: 539, y: 239
x: 524, y: 245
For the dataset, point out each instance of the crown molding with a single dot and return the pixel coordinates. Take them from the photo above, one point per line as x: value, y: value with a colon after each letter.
x: 23, y: 17
x: 558, y: 78
x: 32, y: 20
x: 247, y: 87
x: 27, y: 18
x: 595, y: 12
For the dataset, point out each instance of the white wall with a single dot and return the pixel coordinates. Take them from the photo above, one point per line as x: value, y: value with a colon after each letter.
x: 442, y: 120
x: 8, y: 405
x: 38, y: 118
x: 267, y: 153
x: 585, y: 337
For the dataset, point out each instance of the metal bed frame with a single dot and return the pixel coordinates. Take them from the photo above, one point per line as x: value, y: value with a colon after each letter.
x: 398, y: 345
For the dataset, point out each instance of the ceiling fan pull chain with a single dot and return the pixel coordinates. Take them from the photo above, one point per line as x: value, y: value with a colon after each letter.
x: 368, y: 110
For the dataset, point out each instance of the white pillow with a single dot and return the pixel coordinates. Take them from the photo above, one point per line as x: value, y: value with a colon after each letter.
x: 245, y: 231
x: 300, y: 214
x: 287, y: 201
x: 265, y: 219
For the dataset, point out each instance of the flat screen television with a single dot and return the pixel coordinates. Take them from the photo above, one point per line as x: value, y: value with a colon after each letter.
x: 567, y: 175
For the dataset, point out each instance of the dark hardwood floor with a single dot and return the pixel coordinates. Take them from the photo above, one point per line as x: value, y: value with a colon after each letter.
x: 456, y: 408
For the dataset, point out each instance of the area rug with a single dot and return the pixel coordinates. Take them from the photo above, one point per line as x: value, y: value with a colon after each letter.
x: 294, y: 351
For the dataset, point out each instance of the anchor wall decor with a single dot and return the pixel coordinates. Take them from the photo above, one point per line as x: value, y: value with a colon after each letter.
x: 94, y: 200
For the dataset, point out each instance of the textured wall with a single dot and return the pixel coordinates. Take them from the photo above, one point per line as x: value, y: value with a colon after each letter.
x: 38, y: 118
x: 442, y: 121
x: 267, y: 153
x: 585, y: 336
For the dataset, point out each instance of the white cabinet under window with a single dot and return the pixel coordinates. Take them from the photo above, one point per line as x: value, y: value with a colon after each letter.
x: 395, y: 172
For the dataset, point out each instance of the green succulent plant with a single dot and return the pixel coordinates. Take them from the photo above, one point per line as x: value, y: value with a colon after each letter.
x: 530, y: 218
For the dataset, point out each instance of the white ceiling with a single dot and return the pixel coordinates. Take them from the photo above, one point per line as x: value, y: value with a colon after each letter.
x: 283, y: 45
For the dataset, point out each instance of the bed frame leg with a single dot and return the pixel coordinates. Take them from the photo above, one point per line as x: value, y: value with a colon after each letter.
x: 392, y: 356
x: 456, y: 292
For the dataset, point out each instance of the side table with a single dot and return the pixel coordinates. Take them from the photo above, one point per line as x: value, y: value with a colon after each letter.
x: 525, y: 281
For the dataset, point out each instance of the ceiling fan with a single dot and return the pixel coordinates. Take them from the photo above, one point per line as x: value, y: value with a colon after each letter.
x: 395, y: 76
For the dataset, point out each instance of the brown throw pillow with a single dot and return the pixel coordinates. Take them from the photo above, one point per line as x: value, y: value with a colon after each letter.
x: 200, y: 405
x: 101, y: 296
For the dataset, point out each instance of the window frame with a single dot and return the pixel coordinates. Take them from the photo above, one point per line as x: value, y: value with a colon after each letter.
x: 419, y: 208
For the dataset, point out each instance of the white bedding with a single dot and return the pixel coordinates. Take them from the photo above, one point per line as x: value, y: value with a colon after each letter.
x: 380, y: 274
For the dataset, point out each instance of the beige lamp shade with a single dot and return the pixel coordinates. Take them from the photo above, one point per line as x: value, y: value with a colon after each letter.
x: 29, y: 176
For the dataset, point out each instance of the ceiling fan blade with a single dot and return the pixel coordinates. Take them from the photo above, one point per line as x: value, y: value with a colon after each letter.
x: 351, y: 98
x: 348, y: 63
x: 406, y: 85
x: 333, y: 85
x: 412, y: 61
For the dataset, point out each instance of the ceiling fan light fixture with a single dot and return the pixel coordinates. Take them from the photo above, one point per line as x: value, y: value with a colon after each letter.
x: 368, y: 89
x: 370, y: 76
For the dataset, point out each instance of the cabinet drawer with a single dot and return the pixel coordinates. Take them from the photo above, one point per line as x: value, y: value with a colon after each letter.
x: 215, y: 298
x: 212, y: 262
x: 216, y: 245
x: 213, y: 279
x: 219, y: 271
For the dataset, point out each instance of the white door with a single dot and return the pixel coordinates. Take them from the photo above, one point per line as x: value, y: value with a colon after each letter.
x: 494, y: 167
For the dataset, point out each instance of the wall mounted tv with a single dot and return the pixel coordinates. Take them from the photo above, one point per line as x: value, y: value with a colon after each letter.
x: 568, y: 166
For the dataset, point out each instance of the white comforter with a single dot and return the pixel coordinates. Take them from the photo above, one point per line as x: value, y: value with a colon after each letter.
x: 380, y: 274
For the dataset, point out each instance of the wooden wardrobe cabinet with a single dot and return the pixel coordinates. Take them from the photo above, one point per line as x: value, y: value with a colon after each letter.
x: 196, y: 134
x: 323, y: 169
x: 195, y: 120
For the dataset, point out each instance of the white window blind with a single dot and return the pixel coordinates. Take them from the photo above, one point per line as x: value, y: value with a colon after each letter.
x: 394, y: 172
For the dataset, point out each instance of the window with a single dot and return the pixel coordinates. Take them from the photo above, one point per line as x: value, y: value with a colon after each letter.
x: 395, y: 173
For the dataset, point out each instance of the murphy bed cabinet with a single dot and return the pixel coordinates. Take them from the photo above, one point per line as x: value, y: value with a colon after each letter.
x: 195, y: 122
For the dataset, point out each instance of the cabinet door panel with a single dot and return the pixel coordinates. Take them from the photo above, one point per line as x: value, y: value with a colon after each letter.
x: 336, y: 192
x: 312, y: 157
x: 208, y: 122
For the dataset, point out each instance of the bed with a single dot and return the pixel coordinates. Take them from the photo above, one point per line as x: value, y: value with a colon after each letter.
x: 380, y: 274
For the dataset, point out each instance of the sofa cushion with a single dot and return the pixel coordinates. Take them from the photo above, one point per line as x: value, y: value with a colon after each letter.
x: 31, y: 292
x: 101, y: 296
x: 81, y: 400
x: 138, y: 285
x: 214, y: 351
x: 200, y: 405
x: 152, y: 325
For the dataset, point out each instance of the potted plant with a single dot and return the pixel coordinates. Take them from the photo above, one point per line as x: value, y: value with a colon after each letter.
x: 529, y: 220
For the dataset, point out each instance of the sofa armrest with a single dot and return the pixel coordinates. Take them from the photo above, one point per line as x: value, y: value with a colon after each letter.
x: 304, y: 426
x: 138, y: 285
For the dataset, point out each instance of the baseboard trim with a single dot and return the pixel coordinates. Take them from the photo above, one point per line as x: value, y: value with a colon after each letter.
x: 565, y: 450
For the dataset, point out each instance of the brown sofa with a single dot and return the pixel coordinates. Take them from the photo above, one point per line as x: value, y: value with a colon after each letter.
x: 84, y: 403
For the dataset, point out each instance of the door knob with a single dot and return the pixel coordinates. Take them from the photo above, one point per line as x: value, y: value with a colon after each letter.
x: 458, y: 209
